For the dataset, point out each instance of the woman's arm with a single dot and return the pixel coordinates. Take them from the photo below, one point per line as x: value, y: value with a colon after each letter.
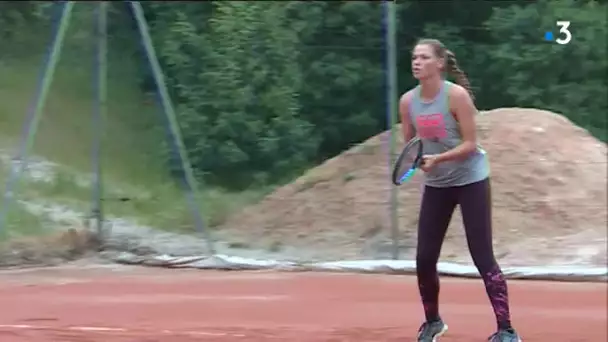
x: 464, y: 111
x: 408, y: 129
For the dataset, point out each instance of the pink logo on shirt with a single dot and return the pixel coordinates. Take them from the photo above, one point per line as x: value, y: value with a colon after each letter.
x: 431, y: 126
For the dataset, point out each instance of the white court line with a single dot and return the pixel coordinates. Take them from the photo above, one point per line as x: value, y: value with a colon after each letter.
x: 98, y: 329
x: 109, y: 329
x: 159, y: 298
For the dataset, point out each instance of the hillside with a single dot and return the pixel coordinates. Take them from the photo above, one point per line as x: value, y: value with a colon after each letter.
x: 141, y: 200
x: 145, y: 209
x: 549, y: 192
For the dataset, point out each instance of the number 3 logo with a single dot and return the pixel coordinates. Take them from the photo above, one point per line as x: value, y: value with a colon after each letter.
x: 563, y: 29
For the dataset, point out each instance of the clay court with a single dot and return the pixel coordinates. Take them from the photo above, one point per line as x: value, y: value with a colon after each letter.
x: 171, y: 305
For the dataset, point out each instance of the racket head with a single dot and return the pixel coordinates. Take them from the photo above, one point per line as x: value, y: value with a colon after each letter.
x: 408, y: 161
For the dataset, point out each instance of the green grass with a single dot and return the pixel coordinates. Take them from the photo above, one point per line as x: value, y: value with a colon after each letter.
x: 131, y: 161
x: 21, y: 222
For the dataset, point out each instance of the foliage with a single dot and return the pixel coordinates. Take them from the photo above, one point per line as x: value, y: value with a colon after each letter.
x: 265, y: 89
x: 567, y: 79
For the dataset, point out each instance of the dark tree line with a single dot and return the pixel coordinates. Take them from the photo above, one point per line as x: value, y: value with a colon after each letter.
x: 266, y: 89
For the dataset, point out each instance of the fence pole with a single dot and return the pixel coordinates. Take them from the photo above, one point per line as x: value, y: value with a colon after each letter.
x: 392, y: 98
x: 98, y: 115
x: 35, y: 110
x: 190, y: 181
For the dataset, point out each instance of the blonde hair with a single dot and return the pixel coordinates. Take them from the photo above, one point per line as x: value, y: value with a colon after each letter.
x: 452, y: 66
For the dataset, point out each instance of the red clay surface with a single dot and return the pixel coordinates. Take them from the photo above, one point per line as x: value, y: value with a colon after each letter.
x: 160, y: 305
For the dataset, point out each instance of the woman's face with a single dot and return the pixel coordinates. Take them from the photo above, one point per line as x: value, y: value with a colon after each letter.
x: 425, y: 63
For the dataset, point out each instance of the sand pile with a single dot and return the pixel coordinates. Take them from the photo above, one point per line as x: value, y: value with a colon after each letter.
x: 549, y: 191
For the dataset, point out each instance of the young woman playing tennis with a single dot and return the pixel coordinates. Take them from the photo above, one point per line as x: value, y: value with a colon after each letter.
x: 442, y: 115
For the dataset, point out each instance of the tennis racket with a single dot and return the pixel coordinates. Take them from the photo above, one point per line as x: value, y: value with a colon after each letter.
x: 409, y: 160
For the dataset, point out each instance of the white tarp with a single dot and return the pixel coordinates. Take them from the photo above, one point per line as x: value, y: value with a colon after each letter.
x: 224, y: 262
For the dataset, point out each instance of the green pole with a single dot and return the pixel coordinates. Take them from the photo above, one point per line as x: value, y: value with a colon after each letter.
x: 169, y: 112
x: 99, y: 113
x: 392, y: 98
x: 35, y: 112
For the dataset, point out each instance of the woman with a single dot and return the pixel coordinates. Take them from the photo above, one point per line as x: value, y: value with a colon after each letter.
x: 442, y: 114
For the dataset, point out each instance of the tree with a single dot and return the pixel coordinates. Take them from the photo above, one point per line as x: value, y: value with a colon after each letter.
x: 568, y: 79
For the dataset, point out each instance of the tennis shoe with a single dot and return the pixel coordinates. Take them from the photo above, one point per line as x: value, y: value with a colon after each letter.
x: 505, y: 335
x: 431, y: 331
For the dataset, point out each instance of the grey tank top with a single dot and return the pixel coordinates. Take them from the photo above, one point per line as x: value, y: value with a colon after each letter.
x: 439, y: 131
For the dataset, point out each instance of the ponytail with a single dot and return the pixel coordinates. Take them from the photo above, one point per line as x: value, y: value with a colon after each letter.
x: 454, y: 70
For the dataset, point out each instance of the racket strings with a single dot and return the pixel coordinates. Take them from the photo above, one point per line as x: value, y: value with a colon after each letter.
x: 411, y: 155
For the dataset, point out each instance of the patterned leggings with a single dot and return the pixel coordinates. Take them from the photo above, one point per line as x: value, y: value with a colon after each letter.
x: 436, y: 211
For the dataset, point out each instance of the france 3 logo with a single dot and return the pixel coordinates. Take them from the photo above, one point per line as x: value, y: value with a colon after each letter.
x: 563, y: 37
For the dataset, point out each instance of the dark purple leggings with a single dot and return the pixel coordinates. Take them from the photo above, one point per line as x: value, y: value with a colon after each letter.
x: 436, y: 211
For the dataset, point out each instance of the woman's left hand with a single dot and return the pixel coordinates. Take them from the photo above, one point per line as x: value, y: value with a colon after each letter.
x: 428, y: 162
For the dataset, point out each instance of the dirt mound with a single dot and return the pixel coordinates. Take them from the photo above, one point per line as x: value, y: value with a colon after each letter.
x: 549, y: 192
